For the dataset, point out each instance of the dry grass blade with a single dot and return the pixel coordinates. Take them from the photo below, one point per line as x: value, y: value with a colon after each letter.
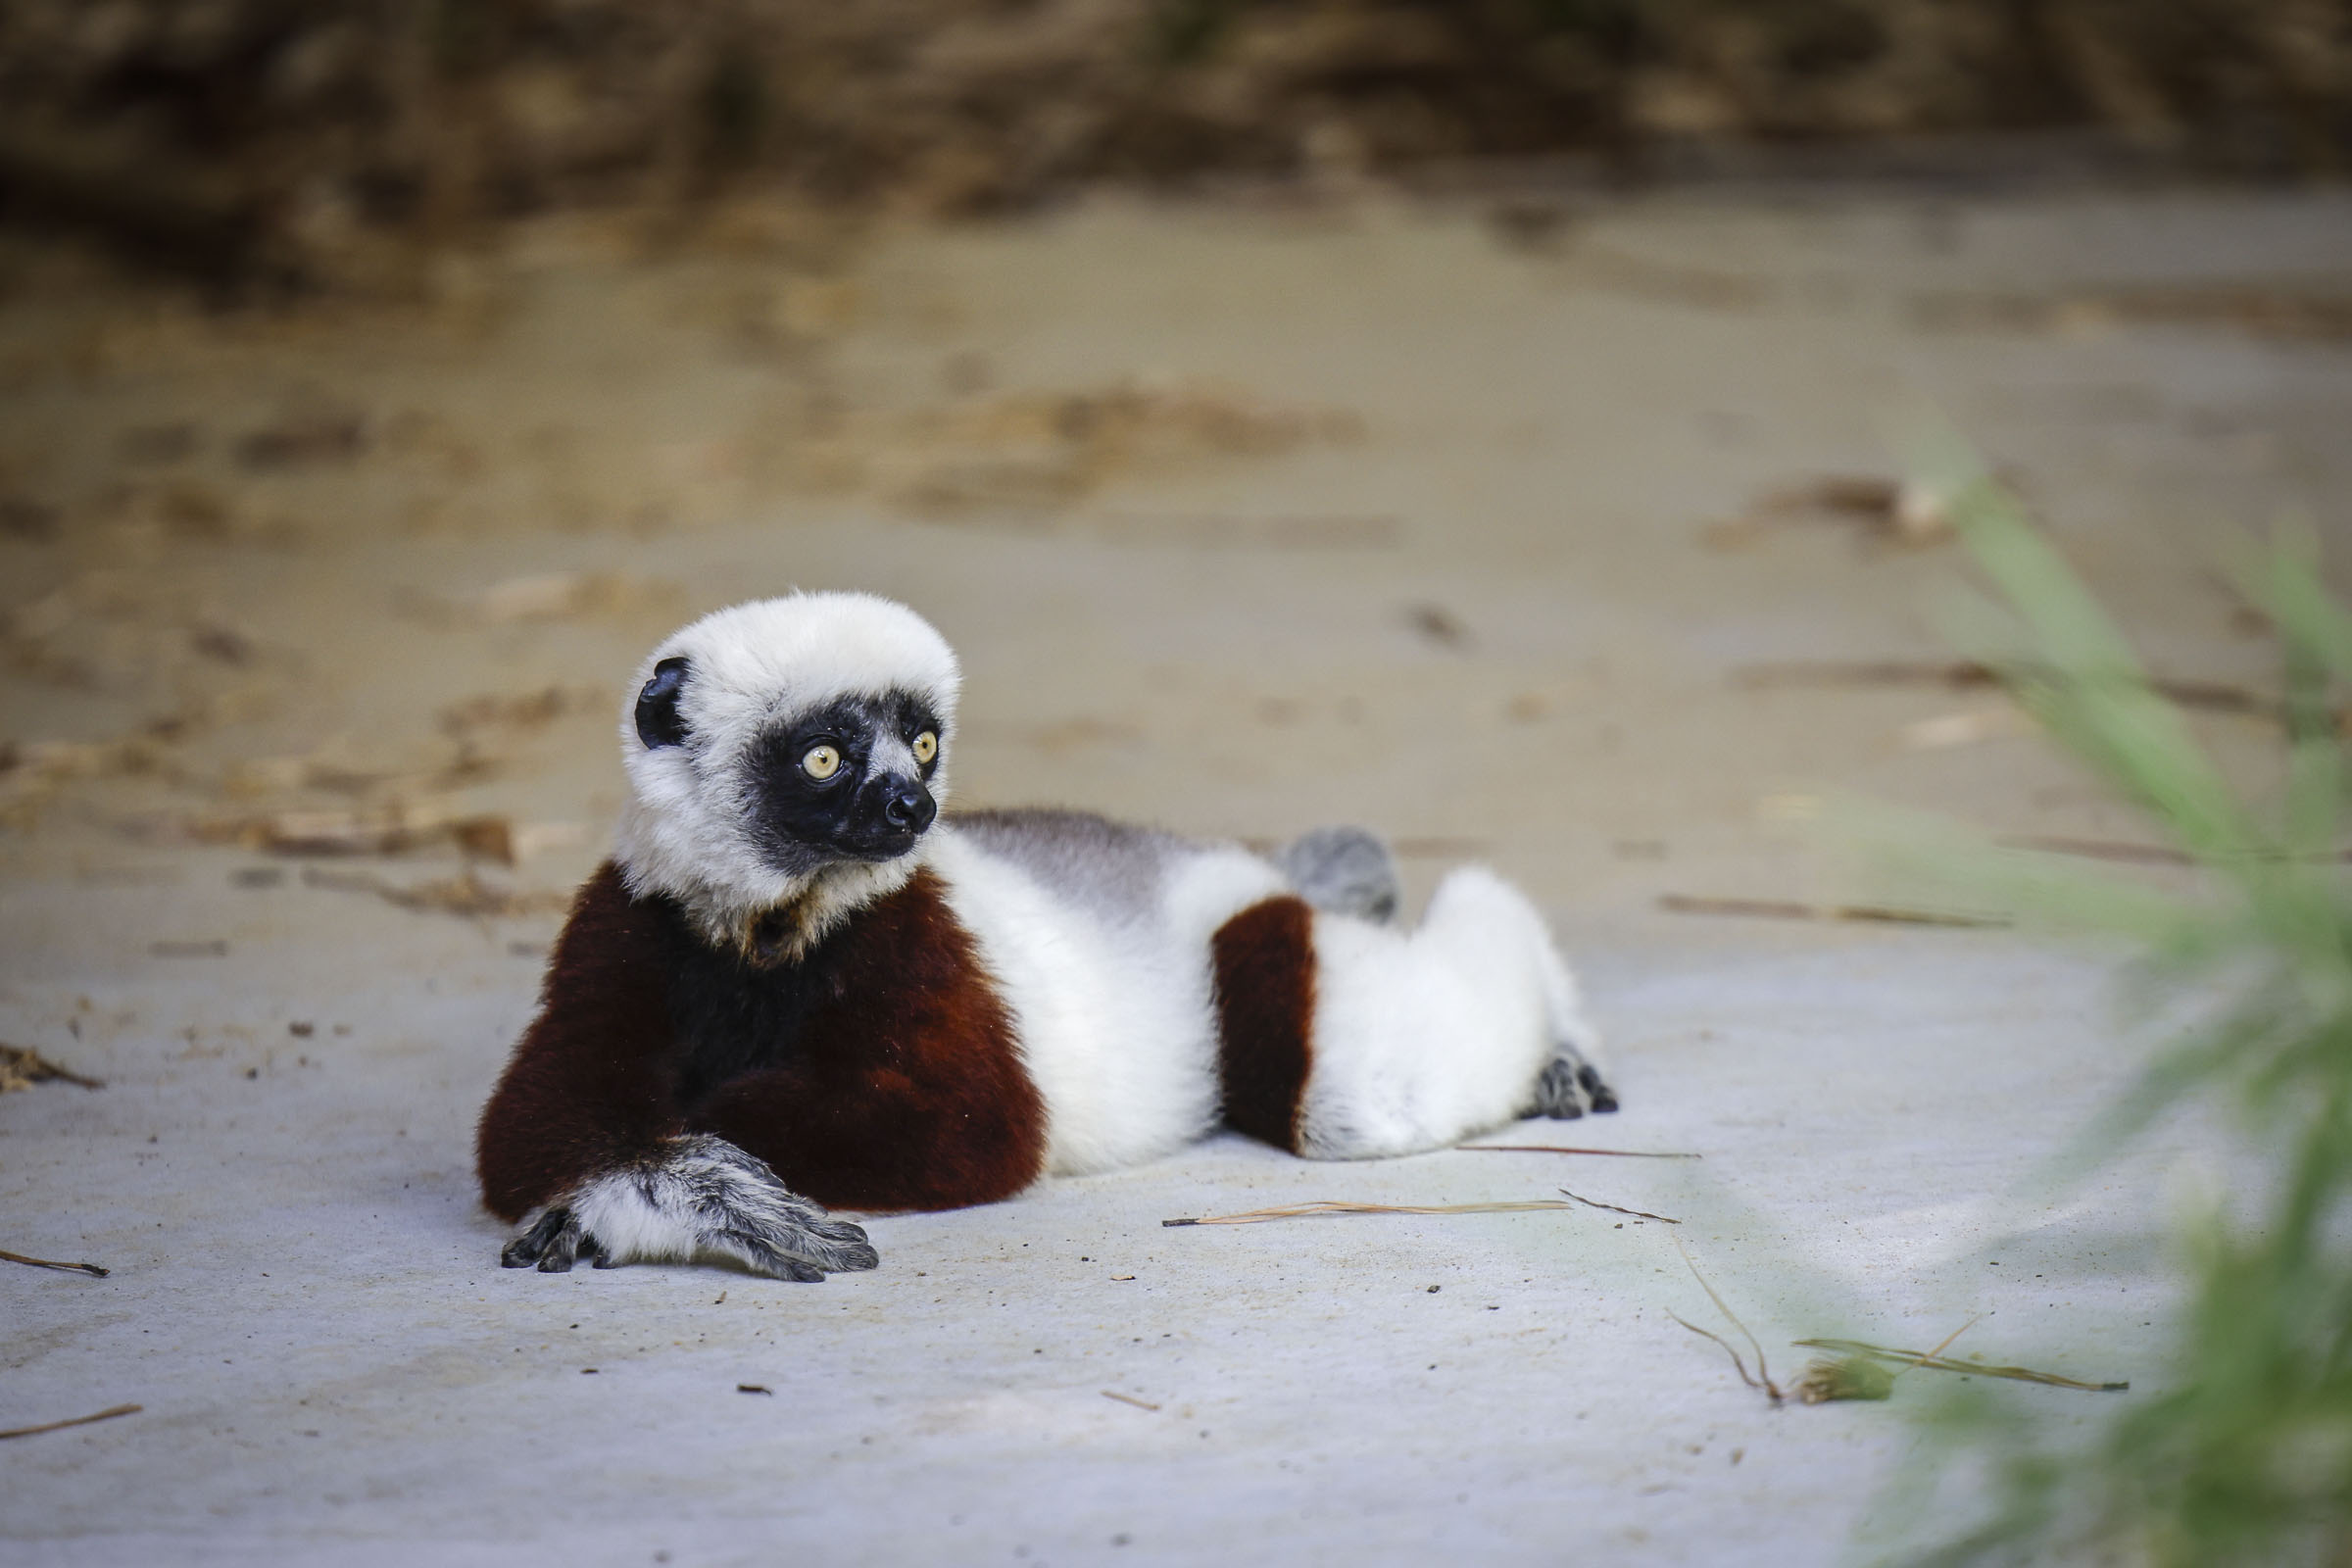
x: 77, y: 1421
x: 1763, y: 1378
x: 1941, y: 1363
x: 1559, y: 1148
x: 91, y: 1269
x: 1614, y: 1209
x: 1129, y: 1398
x: 1731, y: 1350
x: 1257, y: 1216
x: 22, y: 1066
x: 1790, y: 910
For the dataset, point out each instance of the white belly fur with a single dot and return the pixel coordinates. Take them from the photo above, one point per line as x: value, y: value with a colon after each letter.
x: 1116, y: 1018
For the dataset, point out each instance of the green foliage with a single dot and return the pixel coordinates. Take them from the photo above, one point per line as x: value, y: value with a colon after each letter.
x: 2246, y: 1456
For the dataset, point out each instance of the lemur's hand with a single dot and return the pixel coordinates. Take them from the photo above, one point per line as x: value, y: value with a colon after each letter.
x: 702, y: 1195
x: 553, y: 1243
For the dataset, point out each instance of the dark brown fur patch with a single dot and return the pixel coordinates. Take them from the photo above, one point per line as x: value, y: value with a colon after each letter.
x: 878, y: 1071
x: 1265, y: 980
x: 588, y: 1086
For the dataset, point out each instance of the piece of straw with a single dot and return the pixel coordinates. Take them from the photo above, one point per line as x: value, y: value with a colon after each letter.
x: 1788, y: 909
x: 1559, y: 1149
x: 1257, y: 1216
x: 1941, y: 1363
x: 77, y: 1421
x: 1614, y: 1209
x: 91, y: 1269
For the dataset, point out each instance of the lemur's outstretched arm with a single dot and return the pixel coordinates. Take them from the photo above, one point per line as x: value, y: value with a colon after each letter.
x: 583, y: 1123
x: 587, y: 1088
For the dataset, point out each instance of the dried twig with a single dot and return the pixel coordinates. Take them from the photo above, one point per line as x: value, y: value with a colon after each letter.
x: 1257, y: 1216
x: 1129, y: 1398
x: 1943, y: 1363
x: 1785, y: 909
x: 2207, y: 696
x: 91, y: 1269
x: 77, y: 1421
x: 1614, y: 1209
x: 1559, y: 1149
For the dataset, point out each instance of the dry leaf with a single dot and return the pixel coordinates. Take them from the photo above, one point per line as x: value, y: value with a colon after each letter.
x: 1965, y: 728
x: 22, y: 1066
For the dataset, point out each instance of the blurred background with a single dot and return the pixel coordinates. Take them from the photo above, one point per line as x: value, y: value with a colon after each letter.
x: 1485, y: 422
x: 262, y: 141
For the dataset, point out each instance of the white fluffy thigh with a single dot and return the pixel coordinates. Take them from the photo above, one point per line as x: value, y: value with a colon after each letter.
x: 1114, y: 1017
x: 1424, y: 1038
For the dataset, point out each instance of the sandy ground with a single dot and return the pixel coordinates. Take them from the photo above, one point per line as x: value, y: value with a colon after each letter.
x: 1454, y: 517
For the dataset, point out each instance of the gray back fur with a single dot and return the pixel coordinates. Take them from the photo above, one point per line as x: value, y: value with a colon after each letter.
x: 1107, y: 866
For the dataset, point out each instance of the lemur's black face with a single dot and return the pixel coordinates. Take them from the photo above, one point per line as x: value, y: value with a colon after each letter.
x: 845, y: 781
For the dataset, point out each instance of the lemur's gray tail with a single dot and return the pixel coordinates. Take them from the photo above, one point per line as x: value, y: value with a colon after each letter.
x: 1346, y: 870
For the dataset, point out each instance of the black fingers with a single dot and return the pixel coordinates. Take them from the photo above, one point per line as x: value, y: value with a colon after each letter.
x: 527, y: 1248
x: 555, y: 1242
x: 762, y: 1259
x: 1605, y: 1099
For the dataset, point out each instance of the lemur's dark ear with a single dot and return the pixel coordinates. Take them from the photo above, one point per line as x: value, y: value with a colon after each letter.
x: 658, y: 720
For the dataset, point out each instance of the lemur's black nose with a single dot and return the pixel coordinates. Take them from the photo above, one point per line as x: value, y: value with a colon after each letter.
x: 908, y: 807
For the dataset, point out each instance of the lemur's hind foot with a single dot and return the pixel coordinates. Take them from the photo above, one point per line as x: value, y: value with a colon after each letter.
x: 1570, y: 1084
x: 702, y: 1196
x: 1346, y: 871
x: 1569, y: 1087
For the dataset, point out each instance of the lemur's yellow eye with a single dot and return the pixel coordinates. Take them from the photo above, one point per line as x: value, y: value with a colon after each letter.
x: 926, y: 747
x: 823, y: 761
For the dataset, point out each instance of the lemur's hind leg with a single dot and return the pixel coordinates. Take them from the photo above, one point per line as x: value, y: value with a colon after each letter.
x: 1572, y: 1081
x: 1342, y: 1039
x: 1346, y: 871
x: 701, y: 1196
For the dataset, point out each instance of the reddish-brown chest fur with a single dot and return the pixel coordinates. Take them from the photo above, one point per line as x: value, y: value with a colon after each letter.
x: 878, y: 1071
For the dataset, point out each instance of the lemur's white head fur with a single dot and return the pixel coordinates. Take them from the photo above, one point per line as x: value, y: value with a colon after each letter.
x: 692, y: 829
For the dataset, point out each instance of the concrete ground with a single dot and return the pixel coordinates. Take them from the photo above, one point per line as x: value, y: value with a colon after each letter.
x: 1465, y: 517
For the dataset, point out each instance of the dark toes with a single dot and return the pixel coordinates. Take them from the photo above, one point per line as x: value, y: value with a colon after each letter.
x: 562, y: 1249
x: 1603, y: 1097
x: 524, y: 1250
x: 1556, y: 1092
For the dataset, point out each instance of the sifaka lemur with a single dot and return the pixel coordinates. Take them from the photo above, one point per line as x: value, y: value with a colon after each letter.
x: 795, y: 986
